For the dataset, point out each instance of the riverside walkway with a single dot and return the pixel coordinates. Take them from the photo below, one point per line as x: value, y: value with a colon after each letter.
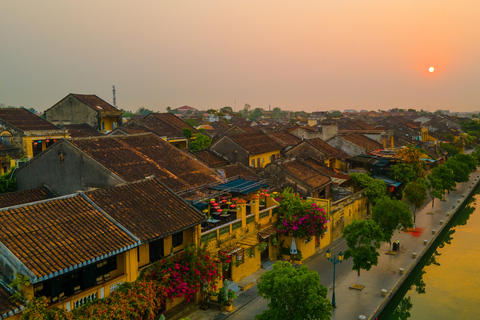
x: 351, y: 303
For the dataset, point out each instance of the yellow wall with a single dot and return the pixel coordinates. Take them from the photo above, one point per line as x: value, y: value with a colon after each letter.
x: 179, y: 143
x: 27, y: 143
x: 108, y: 122
x: 264, y: 158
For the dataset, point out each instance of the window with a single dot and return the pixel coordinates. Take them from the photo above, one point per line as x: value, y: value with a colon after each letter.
x: 252, y: 163
x: 103, y: 126
x: 258, y: 163
x: 177, y: 239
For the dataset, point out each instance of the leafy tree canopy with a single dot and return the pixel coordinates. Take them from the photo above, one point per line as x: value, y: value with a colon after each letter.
x: 187, y: 133
x: 191, y: 122
x: 449, y: 149
x: 294, y: 294
x: 404, y: 173
x: 143, y: 110
x: 200, y: 142
x: 256, y: 114
x: 412, y: 156
x: 460, y: 170
x: 364, y: 238
x: 226, y: 109
x: 376, y: 189
x: 467, y: 159
x: 391, y: 215
x: 444, y: 178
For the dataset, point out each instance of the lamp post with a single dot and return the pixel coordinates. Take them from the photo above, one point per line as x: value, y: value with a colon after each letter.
x: 334, y: 260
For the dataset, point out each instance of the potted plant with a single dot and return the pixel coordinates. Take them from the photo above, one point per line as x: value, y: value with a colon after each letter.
x: 228, y: 304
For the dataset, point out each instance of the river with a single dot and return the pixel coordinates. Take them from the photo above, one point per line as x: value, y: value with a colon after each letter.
x: 446, y: 283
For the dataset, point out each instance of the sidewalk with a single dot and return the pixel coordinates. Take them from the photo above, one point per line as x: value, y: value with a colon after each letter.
x: 369, y: 301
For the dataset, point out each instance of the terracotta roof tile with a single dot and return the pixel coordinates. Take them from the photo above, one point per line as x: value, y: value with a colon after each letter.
x: 56, y: 234
x: 306, y: 173
x: 82, y: 130
x: 171, y: 120
x: 238, y: 169
x: 362, y: 141
x: 285, y: 138
x: 6, y: 303
x: 25, y: 120
x: 324, y: 147
x: 136, y: 157
x: 95, y: 102
x: 153, y: 212
x: 21, y: 197
x: 323, y: 168
x: 211, y: 159
x: 256, y: 142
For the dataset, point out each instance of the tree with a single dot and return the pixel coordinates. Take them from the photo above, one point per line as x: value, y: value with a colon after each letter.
x: 467, y: 159
x: 376, y: 189
x: 444, y: 178
x: 277, y: 113
x: 126, y: 114
x: 449, y: 149
x: 416, y: 194
x: 364, y: 238
x: 7, y: 182
x: 404, y: 173
x: 391, y: 215
x: 412, y: 156
x: 143, y: 110
x: 460, y: 170
x: 32, y: 110
x: 169, y: 109
x: 200, y: 142
x: 256, y: 114
x: 187, y: 133
x: 226, y: 109
x: 191, y: 122
x: 434, y: 187
x: 294, y: 294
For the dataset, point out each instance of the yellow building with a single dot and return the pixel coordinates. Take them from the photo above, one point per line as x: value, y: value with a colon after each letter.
x: 111, y: 235
x: 19, y: 128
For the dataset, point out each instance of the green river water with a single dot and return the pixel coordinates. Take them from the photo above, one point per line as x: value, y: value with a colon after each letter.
x: 446, y: 283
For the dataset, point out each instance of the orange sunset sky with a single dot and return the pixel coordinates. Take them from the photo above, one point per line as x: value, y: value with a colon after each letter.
x: 297, y: 55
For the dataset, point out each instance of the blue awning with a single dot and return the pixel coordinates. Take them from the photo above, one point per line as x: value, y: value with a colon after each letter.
x: 429, y: 160
x: 240, y: 186
x: 389, y: 182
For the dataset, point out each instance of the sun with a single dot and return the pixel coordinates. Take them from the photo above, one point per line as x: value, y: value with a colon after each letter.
x: 431, y: 69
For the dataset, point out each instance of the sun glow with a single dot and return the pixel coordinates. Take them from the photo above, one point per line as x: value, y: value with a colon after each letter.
x: 431, y: 69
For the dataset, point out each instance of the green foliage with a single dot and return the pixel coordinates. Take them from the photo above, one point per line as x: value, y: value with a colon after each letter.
x: 391, y: 215
x: 277, y: 113
x: 411, y: 155
x: 467, y: 159
x: 143, y: 110
x: 460, y: 170
x: 470, y: 126
x: 294, y: 294
x: 449, y: 149
x: 7, y: 182
x: 256, y: 114
x: 187, y: 133
x: 376, y: 189
x: 226, y: 109
x: 404, y: 173
x: 364, y: 238
x: 416, y: 194
x: 402, y: 311
x: 191, y: 122
x: 444, y: 178
x: 200, y: 142
x: 20, y: 282
x: 212, y: 111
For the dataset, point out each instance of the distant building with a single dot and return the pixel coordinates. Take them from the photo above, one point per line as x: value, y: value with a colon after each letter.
x: 85, y: 108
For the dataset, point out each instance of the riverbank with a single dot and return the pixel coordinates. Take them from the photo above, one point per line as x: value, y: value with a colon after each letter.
x: 385, y: 276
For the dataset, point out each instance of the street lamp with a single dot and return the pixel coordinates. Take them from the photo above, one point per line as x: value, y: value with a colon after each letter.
x: 334, y: 260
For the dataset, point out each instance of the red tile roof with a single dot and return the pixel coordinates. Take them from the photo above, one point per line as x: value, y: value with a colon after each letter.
x: 56, y: 234
x: 136, y: 157
x: 305, y: 173
x: 172, y: 120
x: 285, y: 138
x: 25, y: 120
x: 256, y: 142
x: 21, y: 197
x: 95, y: 102
x: 82, y: 131
x: 323, y: 147
x: 238, y: 169
x: 362, y: 141
x: 153, y: 211
x: 211, y: 159
x: 6, y: 303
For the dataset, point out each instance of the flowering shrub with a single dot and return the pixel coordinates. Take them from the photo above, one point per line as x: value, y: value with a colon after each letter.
x: 299, y: 218
x: 187, y: 272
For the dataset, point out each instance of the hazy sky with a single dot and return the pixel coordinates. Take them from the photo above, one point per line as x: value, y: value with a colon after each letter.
x: 298, y: 55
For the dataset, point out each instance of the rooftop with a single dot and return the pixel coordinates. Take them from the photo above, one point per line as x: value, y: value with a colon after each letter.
x: 285, y: 138
x: 82, y: 130
x: 25, y: 120
x: 152, y: 213
x: 135, y: 157
x: 95, y: 102
x: 362, y: 141
x: 256, y: 142
x: 211, y: 159
x: 21, y: 197
x: 305, y: 173
x: 324, y: 147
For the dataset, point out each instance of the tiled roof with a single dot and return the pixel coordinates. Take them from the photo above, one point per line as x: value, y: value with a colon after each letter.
x: 211, y: 159
x: 285, y: 138
x: 220, y: 126
x: 362, y: 141
x: 305, y: 173
x: 6, y: 303
x: 151, y: 125
x: 238, y: 169
x: 136, y: 157
x: 153, y: 212
x: 57, y: 234
x: 172, y: 120
x: 256, y: 142
x: 95, y: 102
x: 323, y: 168
x: 82, y: 130
x: 21, y: 197
x: 323, y: 147
x: 25, y: 120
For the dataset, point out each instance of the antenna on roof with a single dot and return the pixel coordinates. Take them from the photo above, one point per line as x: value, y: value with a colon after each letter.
x: 114, y: 98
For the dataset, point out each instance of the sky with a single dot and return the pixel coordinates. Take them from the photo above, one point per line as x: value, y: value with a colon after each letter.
x: 296, y: 55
